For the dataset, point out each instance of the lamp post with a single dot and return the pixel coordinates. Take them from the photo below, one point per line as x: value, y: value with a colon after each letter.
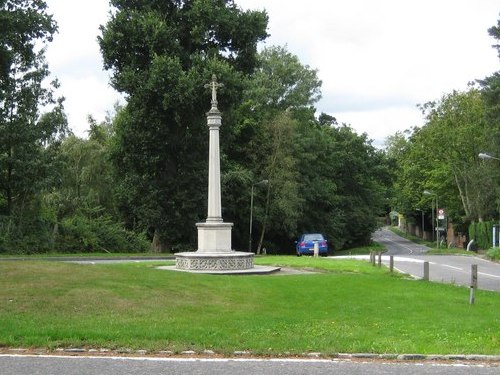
x: 428, y: 192
x: 263, y: 182
x: 482, y: 155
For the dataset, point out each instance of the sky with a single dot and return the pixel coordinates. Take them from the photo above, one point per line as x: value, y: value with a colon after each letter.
x: 377, y: 59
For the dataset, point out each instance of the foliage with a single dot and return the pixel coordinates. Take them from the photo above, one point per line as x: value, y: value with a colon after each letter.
x: 29, y: 140
x: 281, y: 83
x: 442, y: 157
x: 25, y: 135
x: 146, y: 167
x: 88, y: 234
x: 482, y: 233
x: 493, y: 253
x: 161, y: 55
x: 27, y: 230
x: 305, y: 159
x: 494, y: 31
x: 344, y: 183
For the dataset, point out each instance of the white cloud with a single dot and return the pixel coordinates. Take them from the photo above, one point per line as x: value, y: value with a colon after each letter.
x: 74, y: 58
x: 377, y: 59
x: 380, y: 123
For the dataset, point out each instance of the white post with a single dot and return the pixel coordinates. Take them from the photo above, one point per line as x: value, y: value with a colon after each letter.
x: 494, y: 235
x: 316, y: 249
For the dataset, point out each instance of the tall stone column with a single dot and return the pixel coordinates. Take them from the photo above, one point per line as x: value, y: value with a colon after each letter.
x: 214, y: 251
x: 214, y: 121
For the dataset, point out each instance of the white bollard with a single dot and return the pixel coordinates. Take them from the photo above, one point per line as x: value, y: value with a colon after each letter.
x: 316, y: 249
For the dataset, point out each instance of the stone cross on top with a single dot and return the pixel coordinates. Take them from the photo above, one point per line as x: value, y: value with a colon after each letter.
x: 214, y: 85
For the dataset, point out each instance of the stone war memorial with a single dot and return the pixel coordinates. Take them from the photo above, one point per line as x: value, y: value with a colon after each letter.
x: 214, y: 253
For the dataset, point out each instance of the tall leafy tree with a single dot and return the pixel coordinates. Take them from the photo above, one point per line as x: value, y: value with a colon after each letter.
x: 279, y: 95
x: 442, y: 156
x: 26, y: 136
x: 344, y: 181
x: 491, y: 95
x: 161, y: 54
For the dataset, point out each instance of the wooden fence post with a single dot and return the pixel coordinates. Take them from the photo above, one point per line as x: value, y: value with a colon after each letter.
x: 473, y: 284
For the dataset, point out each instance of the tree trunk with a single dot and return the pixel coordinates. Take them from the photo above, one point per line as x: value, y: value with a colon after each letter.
x: 264, y: 223
x: 463, y: 195
x: 55, y: 232
x: 157, y: 246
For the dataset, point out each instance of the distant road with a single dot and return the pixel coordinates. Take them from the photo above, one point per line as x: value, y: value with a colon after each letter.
x: 397, y: 245
x: 52, y: 365
x: 409, y: 258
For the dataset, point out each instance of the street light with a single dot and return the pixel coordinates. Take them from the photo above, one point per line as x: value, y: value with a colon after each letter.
x: 435, y: 228
x: 482, y: 155
x: 263, y: 182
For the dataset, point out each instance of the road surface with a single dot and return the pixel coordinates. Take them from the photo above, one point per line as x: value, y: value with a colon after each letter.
x: 52, y: 365
x: 410, y: 257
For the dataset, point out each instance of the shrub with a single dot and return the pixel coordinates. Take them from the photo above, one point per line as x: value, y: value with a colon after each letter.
x: 482, y: 233
x: 493, y: 253
x: 83, y: 234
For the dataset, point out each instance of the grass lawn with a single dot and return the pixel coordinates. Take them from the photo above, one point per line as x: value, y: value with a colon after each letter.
x: 348, y: 306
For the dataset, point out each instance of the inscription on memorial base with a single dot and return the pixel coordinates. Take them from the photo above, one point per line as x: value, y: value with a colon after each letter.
x: 200, y: 261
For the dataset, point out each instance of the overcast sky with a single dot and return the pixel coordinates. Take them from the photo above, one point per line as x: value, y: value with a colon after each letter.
x: 377, y: 59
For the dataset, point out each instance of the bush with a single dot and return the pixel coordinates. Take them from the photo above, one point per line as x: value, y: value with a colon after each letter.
x: 83, y: 234
x: 482, y: 233
x: 493, y: 253
x: 25, y: 234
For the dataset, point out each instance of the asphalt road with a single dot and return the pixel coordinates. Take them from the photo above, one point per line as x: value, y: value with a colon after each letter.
x: 50, y: 365
x: 410, y: 257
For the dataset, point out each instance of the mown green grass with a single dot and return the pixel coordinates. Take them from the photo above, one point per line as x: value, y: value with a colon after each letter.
x: 348, y: 306
x: 375, y: 247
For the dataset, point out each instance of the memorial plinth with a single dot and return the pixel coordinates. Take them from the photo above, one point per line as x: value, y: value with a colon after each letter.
x: 214, y: 235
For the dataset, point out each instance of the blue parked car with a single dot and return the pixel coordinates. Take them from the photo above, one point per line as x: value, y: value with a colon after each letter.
x: 305, y: 244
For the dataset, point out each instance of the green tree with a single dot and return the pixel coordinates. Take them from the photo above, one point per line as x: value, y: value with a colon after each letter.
x: 283, y: 203
x: 162, y: 54
x: 491, y: 95
x: 281, y: 82
x: 86, y: 172
x: 344, y: 182
x: 280, y: 94
x: 442, y: 156
x: 27, y: 138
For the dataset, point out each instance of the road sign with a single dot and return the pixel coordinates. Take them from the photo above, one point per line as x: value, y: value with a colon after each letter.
x: 441, y: 214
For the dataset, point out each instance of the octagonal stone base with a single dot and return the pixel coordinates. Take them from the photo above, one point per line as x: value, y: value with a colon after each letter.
x: 215, y: 261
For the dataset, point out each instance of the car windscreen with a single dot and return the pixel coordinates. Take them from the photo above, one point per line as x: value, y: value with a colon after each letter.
x: 313, y: 237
